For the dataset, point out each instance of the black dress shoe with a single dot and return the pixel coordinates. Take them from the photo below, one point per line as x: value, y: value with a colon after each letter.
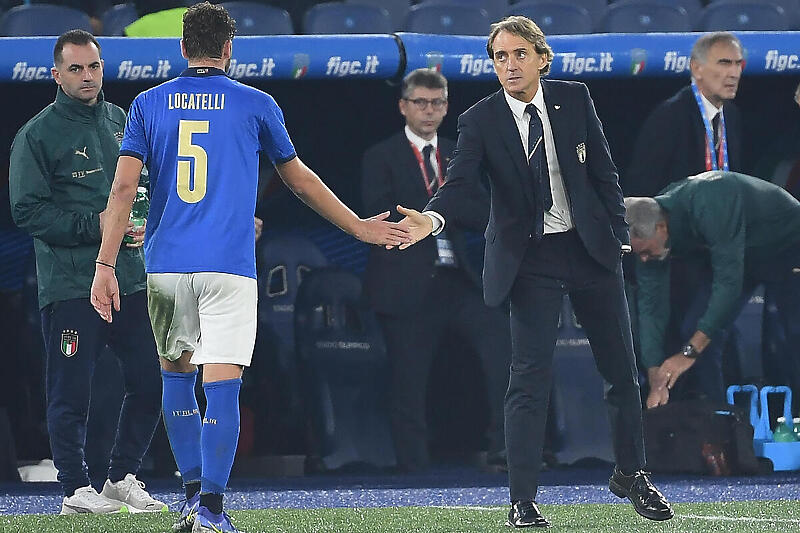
x: 526, y: 514
x: 646, y: 499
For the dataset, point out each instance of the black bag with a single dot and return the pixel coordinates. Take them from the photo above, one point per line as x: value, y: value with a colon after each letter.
x: 699, y: 437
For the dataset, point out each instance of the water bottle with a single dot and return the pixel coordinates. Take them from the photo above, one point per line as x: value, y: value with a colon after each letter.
x: 139, y: 209
x: 783, y: 433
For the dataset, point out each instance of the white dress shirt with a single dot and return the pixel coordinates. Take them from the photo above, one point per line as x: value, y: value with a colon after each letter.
x: 711, y: 112
x: 421, y: 143
x: 558, y: 218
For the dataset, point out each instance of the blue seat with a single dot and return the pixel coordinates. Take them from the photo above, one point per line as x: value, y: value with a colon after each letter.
x: 580, y: 414
x: 398, y: 9
x: 447, y: 19
x: 692, y: 7
x: 42, y: 19
x: 259, y: 19
x: 555, y: 18
x: 346, y: 371
x: 337, y: 17
x: 495, y: 9
x: 731, y: 15
x: 644, y: 16
x: 596, y: 8
x: 283, y: 261
x: 117, y: 17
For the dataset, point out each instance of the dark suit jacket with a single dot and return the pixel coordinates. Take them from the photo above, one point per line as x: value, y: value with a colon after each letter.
x: 671, y: 145
x: 488, y: 140
x: 396, y: 281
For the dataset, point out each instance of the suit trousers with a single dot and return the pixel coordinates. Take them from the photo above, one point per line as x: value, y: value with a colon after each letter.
x: 454, y: 305
x: 69, y: 381
x: 553, y: 266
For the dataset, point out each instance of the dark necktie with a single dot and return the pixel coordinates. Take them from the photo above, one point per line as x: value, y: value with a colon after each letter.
x: 715, y: 129
x: 433, y: 183
x: 537, y: 158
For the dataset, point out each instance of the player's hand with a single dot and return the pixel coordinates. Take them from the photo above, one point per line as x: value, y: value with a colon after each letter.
x: 418, y: 225
x: 137, y: 234
x: 377, y: 230
x: 671, y: 369
x: 105, y: 292
x: 259, y: 227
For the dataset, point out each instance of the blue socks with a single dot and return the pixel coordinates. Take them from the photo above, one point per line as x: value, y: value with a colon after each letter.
x: 220, y: 435
x: 182, y: 420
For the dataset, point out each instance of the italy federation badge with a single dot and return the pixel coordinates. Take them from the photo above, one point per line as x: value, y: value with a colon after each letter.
x: 581, y: 150
x: 69, y: 342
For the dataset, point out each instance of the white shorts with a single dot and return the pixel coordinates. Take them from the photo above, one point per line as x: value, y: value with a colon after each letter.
x: 209, y: 313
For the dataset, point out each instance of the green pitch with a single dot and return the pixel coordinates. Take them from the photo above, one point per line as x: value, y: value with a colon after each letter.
x: 733, y: 517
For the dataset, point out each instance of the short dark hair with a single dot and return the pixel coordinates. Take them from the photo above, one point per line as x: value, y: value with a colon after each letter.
x: 528, y: 30
x: 423, y: 77
x: 206, y: 29
x: 78, y: 37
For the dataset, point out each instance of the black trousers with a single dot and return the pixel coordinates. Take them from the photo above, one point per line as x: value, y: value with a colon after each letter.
x: 454, y: 305
x: 556, y: 265
x: 74, y: 337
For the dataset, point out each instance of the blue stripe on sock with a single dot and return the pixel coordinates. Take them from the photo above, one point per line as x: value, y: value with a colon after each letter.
x: 220, y: 434
x: 182, y: 421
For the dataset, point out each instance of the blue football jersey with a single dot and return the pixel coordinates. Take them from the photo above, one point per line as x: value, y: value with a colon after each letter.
x: 199, y: 136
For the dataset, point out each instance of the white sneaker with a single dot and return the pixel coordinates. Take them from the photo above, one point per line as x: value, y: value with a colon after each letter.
x: 130, y: 493
x: 86, y: 500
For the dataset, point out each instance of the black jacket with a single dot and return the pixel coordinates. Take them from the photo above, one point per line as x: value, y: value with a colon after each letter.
x: 671, y: 145
x: 489, y: 141
x: 396, y: 281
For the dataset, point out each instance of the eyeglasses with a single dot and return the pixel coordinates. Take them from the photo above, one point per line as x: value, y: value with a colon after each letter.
x: 422, y: 103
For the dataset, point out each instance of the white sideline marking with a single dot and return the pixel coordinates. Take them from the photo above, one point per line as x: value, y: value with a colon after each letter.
x: 686, y: 516
x: 737, y: 518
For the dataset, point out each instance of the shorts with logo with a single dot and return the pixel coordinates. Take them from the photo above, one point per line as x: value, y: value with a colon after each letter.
x: 209, y: 313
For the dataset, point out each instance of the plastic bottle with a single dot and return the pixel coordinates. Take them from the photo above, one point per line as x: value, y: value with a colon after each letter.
x: 783, y: 432
x: 139, y: 209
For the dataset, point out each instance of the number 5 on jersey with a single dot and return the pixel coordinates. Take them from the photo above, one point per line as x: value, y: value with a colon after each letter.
x: 191, y: 190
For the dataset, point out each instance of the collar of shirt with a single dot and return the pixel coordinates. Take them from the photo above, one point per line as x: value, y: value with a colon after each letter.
x: 710, y: 109
x: 518, y: 106
x: 419, y: 142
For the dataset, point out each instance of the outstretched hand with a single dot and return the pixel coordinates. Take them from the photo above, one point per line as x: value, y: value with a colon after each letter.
x: 418, y: 225
x: 377, y: 230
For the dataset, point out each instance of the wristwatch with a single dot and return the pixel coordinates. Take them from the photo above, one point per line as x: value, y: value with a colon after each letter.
x: 690, y: 351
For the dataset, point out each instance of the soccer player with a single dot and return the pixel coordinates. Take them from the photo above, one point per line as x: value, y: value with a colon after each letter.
x: 199, y: 136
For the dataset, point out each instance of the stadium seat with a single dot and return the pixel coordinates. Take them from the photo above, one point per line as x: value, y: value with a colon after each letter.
x: 259, y: 19
x: 42, y: 19
x: 338, y: 17
x: 644, y: 16
x: 447, y: 19
x: 555, y: 18
x: 398, y: 9
x: 692, y: 7
x: 596, y: 8
x: 117, y: 17
x: 345, y: 365
x: 733, y: 15
x: 283, y: 262
x: 495, y: 9
x: 581, y: 421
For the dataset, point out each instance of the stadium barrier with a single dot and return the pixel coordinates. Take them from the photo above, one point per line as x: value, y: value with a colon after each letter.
x: 28, y: 59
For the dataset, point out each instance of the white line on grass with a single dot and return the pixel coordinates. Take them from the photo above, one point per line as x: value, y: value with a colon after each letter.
x: 736, y: 518
x: 466, y: 507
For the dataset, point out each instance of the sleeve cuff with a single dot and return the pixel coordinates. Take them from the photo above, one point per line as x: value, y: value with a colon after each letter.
x: 131, y: 153
x: 286, y: 159
x: 438, y: 222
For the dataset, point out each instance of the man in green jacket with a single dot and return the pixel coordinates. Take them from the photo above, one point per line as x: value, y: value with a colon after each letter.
x: 62, y: 165
x: 749, y: 228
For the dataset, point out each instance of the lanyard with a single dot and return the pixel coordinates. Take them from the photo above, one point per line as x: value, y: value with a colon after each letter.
x: 428, y: 182
x: 721, y: 159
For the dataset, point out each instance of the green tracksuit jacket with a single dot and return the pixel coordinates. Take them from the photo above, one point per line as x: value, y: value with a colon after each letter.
x: 746, y: 225
x: 62, y: 165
